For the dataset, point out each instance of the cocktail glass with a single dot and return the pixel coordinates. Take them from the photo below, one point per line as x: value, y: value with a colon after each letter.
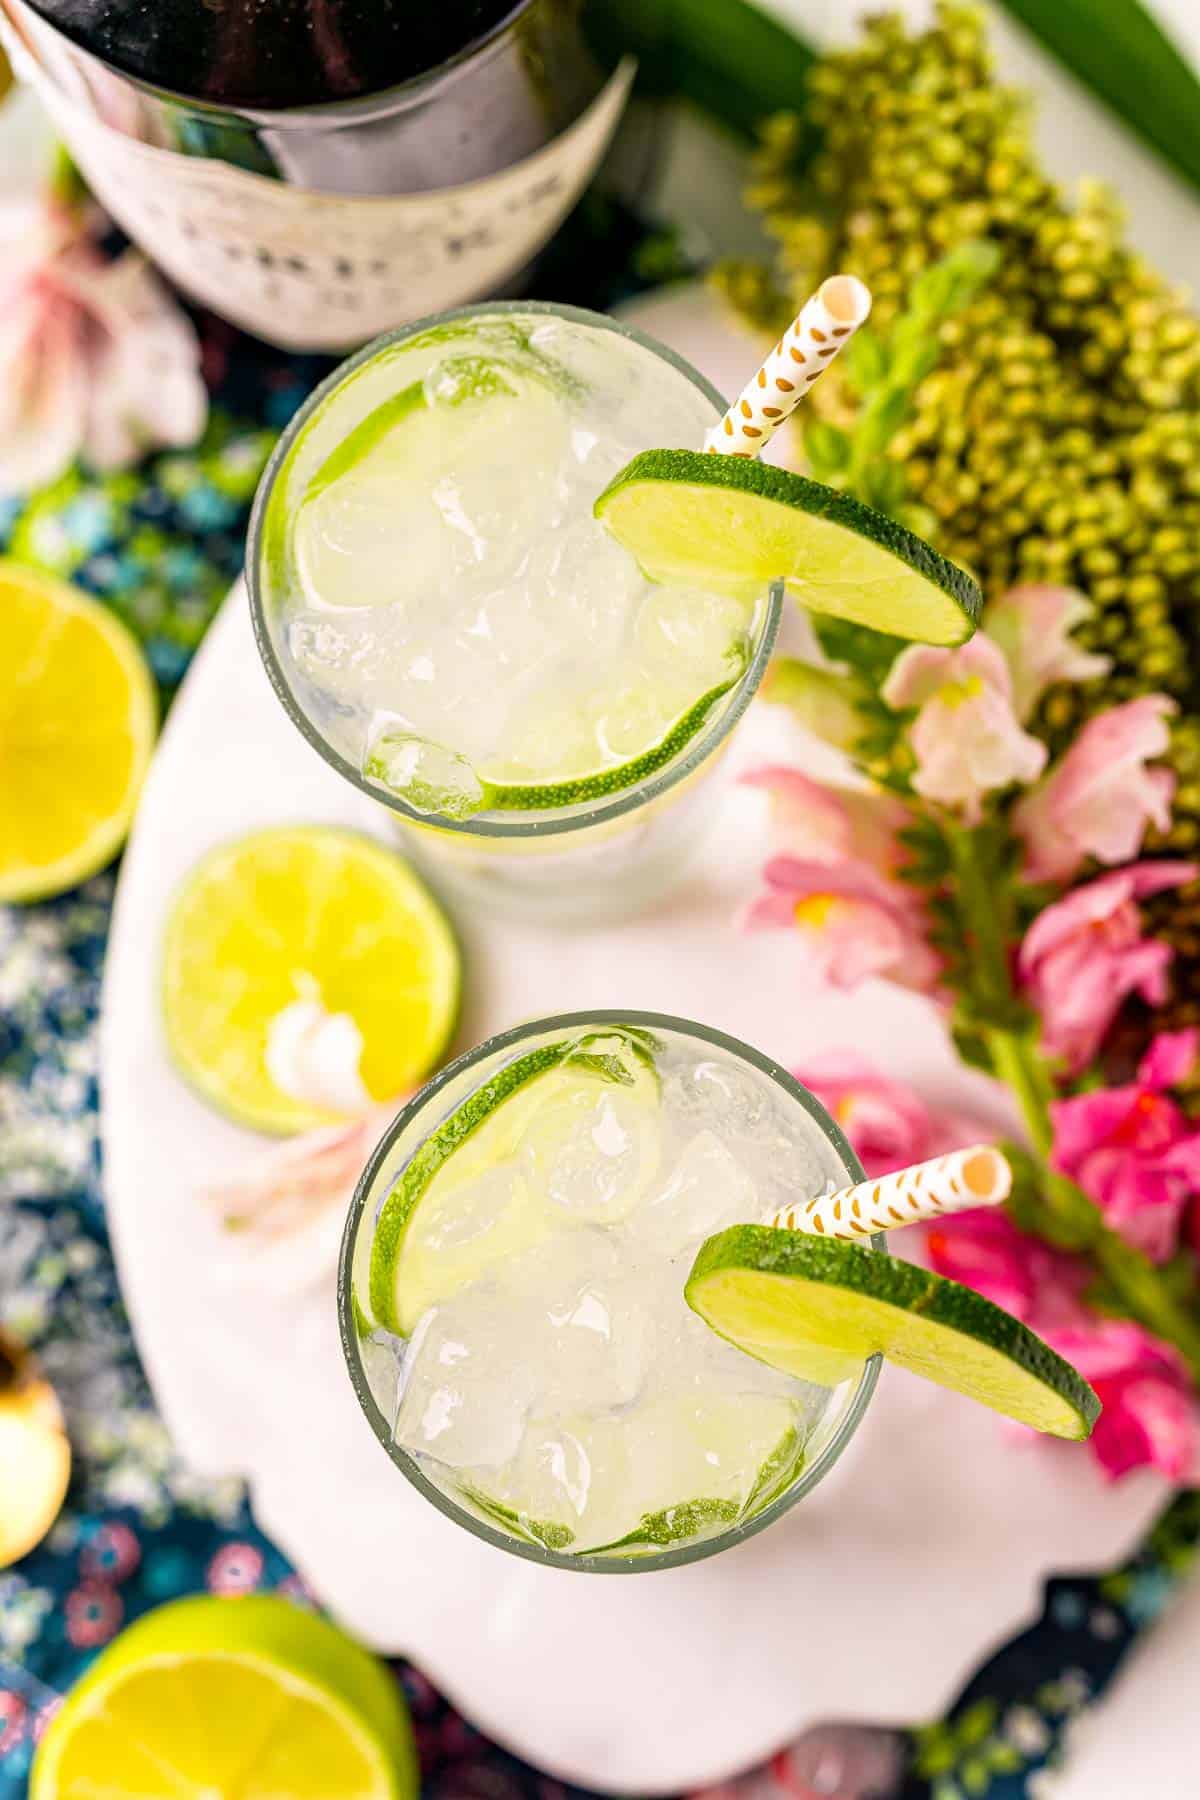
x: 597, y: 856
x: 729, y: 1115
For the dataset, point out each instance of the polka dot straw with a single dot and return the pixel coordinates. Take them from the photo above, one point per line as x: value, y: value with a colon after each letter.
x: 976, y: 1177
x: 825, y: 323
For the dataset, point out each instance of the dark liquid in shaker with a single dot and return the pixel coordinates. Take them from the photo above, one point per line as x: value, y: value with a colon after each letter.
x: 274, y: 54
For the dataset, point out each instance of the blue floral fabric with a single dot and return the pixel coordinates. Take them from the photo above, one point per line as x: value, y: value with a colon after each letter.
x: 160, y: 544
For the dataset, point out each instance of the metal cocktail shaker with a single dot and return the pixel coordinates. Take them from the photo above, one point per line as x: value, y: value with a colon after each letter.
x: 318, y: 225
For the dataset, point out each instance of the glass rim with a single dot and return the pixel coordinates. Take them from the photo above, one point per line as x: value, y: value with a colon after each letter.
x: 590, y: 1562
x: 358, y: 110
x: 523, y: 826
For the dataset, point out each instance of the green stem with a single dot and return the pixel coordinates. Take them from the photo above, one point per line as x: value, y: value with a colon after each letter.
x: 1071, y: 1217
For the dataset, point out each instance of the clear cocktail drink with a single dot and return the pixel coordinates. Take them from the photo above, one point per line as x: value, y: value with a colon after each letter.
x: 447, y: 622
x: 512, y: 1292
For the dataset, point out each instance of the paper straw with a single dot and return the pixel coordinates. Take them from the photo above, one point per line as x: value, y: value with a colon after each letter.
x: 824, y: 324
x: 976, y: 1177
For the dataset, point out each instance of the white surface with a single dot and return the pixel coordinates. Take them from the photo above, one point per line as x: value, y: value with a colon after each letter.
x: 926, y: 1545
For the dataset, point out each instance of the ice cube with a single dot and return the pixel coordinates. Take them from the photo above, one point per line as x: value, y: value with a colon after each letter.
x: 730, y: 1100
x: 685, y: 1446
x: 634, y: 712
x: 571, y: 1474
x: 708, y: 1189
x: 467, y: 1384
x: 449, y: 1218
x: 683, y: 627
x: 431, y: 777
x: 586, y: 1326
x: 591, y: 1151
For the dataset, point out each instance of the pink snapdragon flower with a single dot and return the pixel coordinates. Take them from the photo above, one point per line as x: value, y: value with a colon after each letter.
x: 1082, y: 956
x: 1100, y: 798
x: 1150, y: 1416
x: 1027, y: 1277
x: 821, y: 823
x: 851, y: 922
x: 1132, y: 1150
x: 95, y: 357
x: 888, y: 1125
x: 966, y: 736
x: 830, y: 885
x: 1032, y: 626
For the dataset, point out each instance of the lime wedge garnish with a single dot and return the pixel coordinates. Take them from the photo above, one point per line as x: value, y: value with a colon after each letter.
x: 252, y: 1696
x: 734, y: 525
x: 297, y: 912
x: 816, y: 1307
x: 465, y: 1201
x: 77, y: 719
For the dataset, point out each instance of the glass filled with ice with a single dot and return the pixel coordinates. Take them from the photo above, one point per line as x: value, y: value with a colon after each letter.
x: 511, y: 1292
x: 450, y: 626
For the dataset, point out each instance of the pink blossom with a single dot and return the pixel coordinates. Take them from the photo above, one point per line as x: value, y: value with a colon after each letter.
x: 1082, y: 956
x: 95, y: 357
x: 851, y: 922
x: 1132, y: 1150
x: 820, y: 823
x: 282, y: 1190
x: 1150, y: 1415
x: 1027, y: 1277
x: 888, y: 1125
x: 966, y: 736
x: 1100, y: 798
x: 1032, y: 626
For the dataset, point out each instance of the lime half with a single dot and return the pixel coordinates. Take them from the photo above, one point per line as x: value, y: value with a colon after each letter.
x: 304, y: 912
x: 734, y: 525
x: 250, y: 1696
x: 816, y: 1307
x: 466, y: 1200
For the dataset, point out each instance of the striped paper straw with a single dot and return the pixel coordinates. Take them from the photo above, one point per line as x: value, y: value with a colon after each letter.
x: 976, y: 1177
x: 824, y: 324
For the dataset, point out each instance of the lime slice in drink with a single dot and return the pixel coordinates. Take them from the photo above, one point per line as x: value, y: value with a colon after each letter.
x: 304, y: 913
x: 815, y: 1307
x: 77, y: 719
x: 501, y: 1173
x: 447, y: 464
x: 733, y: 525
x: 250, y: 1696
x: 439, y: 781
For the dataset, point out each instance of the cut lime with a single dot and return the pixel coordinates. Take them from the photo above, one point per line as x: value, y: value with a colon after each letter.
x: 436, y: 780
x: 539, y: 796
x: 436, y: 452
x: 816, y: 1307
x: 467, y: 1199
x: 296, y: 913
x: 250, y: 1696
x: 734, y: 525
x: 77, y: 720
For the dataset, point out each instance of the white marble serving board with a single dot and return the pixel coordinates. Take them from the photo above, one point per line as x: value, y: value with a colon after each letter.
x: 871, y: 1600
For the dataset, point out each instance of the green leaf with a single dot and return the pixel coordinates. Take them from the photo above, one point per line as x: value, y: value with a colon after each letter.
x: 726, y: 56
x: 823, y: 701
x: 1116, y: 48
x: 826, y: 446
x: 865, y: 360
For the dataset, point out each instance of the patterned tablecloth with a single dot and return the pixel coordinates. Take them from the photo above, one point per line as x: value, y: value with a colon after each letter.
x: 161, y: 544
